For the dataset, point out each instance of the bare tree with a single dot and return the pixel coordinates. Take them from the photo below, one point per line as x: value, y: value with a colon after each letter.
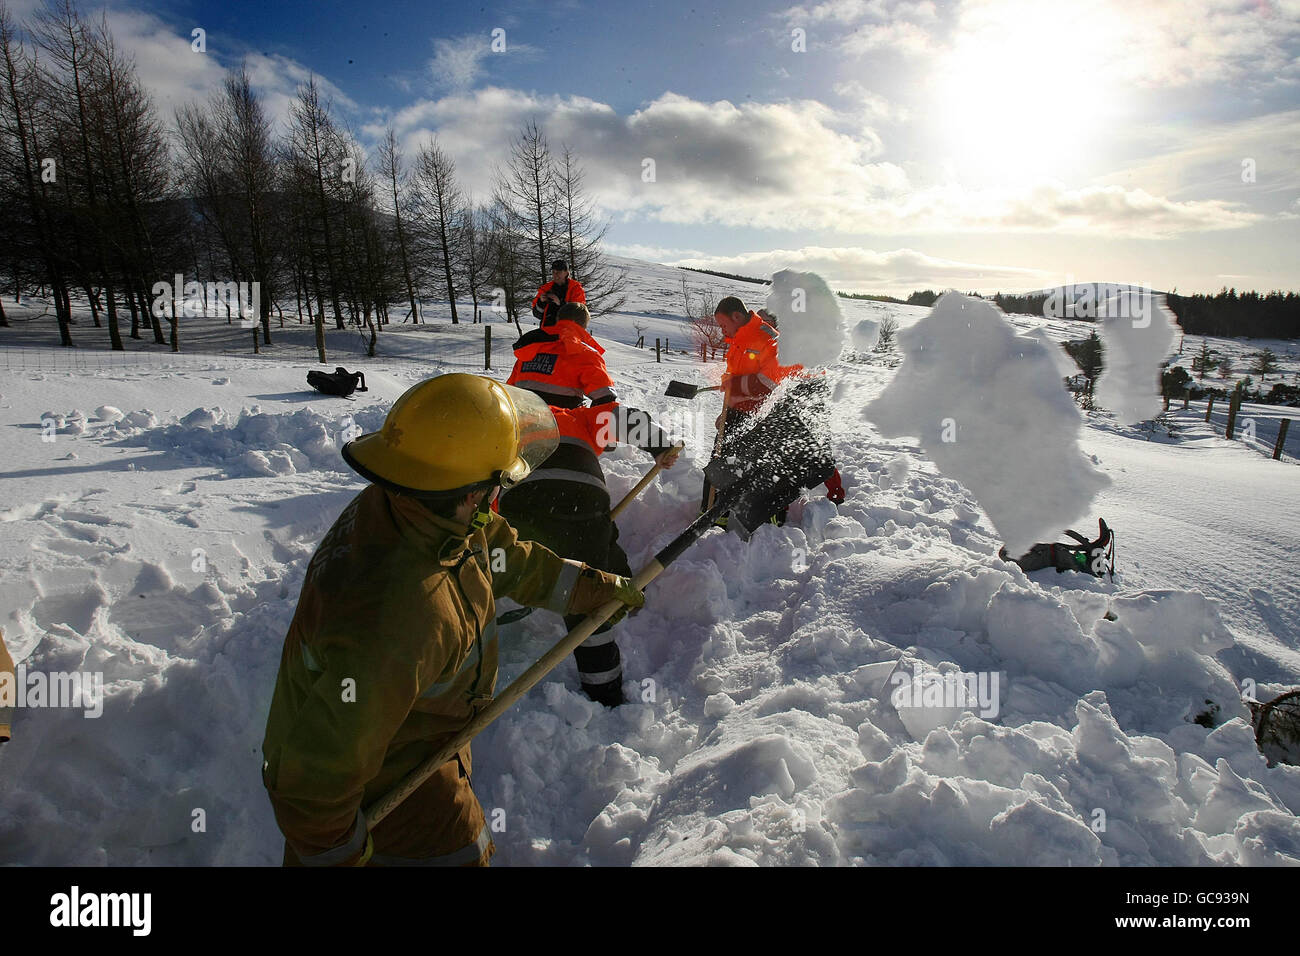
x: 706, y: 335
x: 473, y: 253
x: 29, y: 192
x: 507, y: 257
x: 390, y: 165
x: 438, y: 204
x: 318, y: 152
x: 525, y: 190
x: 580, y: 235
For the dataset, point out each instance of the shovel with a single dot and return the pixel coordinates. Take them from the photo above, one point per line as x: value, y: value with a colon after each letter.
x: 640, y: 485
x: 687, y: 390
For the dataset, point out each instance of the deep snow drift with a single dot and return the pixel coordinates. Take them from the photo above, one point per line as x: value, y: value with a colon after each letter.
x: 791, y: 694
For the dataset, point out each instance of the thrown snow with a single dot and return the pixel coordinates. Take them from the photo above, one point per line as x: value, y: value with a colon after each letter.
x: 1137, y: 335
x: 809, y: 316
x: 990, y: 409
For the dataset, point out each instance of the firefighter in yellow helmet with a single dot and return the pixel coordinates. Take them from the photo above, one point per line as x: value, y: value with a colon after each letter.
x: 393, y: 647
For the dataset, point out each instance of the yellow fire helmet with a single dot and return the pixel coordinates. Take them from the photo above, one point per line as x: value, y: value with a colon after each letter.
x: 455, y: 434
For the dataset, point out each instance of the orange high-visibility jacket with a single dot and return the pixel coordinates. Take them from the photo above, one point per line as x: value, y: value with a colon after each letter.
x: 573, y: 292
x: 752, y: 366
x: 562, y: 363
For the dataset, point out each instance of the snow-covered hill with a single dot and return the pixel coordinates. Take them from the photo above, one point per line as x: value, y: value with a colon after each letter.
x: 160, y: 538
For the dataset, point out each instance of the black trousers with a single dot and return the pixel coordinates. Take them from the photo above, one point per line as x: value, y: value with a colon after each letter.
x: 572, y: 519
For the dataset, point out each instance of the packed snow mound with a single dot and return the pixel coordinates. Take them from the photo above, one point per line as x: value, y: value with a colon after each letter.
x: 1137, y: 335
x: 253, y: 443
x: 809, y: 316
x: 989, y: 407
x: 865, y: 334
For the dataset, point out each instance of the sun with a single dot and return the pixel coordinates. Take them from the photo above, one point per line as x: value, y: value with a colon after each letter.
x: 1025, y: 90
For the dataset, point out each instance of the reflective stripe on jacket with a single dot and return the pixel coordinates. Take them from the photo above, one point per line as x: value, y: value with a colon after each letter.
x: 586, y: 432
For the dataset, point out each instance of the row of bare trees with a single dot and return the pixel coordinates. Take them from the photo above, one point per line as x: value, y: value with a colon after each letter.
x: 101, y: 198
x: 85, y: 191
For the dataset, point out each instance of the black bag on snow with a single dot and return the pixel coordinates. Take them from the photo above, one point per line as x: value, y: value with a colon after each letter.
x: 1093, y: 557
x: 340, y: 382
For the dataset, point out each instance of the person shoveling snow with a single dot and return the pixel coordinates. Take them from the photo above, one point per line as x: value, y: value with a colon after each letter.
x: 753, y: 373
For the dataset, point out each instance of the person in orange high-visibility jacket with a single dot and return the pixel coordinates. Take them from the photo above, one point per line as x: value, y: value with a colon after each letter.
x: 753, y: 372
x: 562, y: 363
x: 561, y: 289
x: 752, y: 367
x: 393, y: 647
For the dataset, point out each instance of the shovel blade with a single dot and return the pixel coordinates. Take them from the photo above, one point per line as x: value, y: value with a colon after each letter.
x: 681, y: 390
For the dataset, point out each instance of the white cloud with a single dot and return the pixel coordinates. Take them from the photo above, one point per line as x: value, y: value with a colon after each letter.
x: 858, y: 27
x: 1209, y: 157
x: 1155, y: 43
x: 638, y: 250
x: 872, y: 107
x: 458, y: 62
x: 175, y: 74
x: 778, y: 165
x: 852, y: 268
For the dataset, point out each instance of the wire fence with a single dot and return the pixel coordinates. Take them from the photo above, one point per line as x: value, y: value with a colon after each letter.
x: 473, y: 347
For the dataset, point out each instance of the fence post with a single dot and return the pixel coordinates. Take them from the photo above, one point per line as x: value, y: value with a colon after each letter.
x: 256, y: 350
x: 1281, y: 438
x: 1234, y: 403
x: 1209, y: 407
x: 487, y: 346
x: 658, y: 357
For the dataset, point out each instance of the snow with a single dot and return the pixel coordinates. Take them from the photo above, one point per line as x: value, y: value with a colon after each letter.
x: 764, y: 726
x: 1137, y: 333
x: 809, y: 315
x: 990, y: 410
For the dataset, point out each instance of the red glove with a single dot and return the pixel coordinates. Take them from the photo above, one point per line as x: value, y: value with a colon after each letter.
x: 835, y: 488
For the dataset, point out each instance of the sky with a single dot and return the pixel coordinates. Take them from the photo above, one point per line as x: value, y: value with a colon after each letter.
x: 889, y: 145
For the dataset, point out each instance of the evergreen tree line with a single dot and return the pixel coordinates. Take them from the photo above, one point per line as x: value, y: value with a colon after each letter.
x: 103, y: 198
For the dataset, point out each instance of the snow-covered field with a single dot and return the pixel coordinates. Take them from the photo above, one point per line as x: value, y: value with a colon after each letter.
x: 157, y: 513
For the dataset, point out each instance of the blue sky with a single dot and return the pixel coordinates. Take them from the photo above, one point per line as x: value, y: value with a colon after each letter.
x: 887, y: 144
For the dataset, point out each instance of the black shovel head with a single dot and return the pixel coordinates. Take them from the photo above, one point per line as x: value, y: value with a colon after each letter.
x: 681, y: 390
x: 765, y: 467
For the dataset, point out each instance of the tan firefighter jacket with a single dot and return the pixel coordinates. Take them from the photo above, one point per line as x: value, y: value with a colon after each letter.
x: 392, y: 650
